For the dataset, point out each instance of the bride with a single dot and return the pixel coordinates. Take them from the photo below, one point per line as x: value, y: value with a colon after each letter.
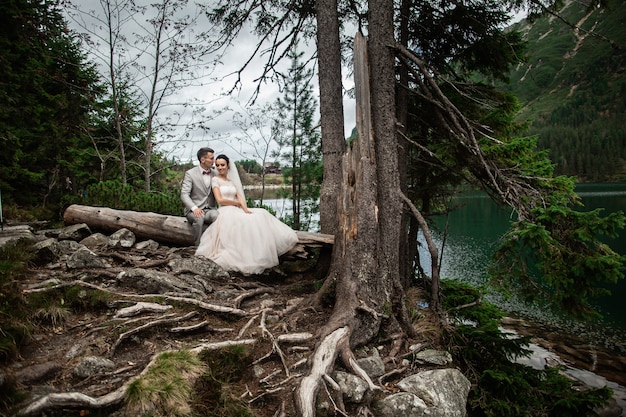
x: 248, y: 240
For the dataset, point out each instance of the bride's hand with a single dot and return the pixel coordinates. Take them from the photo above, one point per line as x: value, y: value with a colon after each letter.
x: 246, y: 210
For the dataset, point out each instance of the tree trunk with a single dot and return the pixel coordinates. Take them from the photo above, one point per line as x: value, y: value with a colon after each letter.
x: 407, y: 244
x: 385, y: 130
x: 331, y: 110
x: 167, y: 229
x: 367, y: 290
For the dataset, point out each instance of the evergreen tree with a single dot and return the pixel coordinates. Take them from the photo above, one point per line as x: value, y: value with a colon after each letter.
x: 298, y: 133
x: 47, y: 91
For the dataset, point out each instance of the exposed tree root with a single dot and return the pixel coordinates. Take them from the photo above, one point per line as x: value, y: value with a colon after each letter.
x: 321, y: 364
x: 261, y: 290
x: 164, y: 320
x: 80, y: 400
x: 205, y: 306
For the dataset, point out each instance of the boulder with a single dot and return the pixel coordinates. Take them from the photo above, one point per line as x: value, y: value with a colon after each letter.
x: 85, y: 258
x: 13, y: 233
x: 433, y: 357
x: 38, y: 373
x: 353, y: 387
x: 147, y: 281
x: 46, y: 251
x: 75, y: 232
x: 403, y: 404
x: 92, y: 365
x: 444, y: 391
x: 96, y: 240
x: 123, y: 238
x: 373, y: 365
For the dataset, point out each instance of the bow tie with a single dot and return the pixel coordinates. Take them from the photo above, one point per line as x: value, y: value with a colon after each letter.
x: 206, y: 172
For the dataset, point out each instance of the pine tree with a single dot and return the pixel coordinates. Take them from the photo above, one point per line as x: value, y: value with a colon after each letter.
x: 297, y: 108
x: 47, y: 90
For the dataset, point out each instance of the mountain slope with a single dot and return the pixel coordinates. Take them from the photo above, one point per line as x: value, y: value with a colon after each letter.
x: 573, y: 89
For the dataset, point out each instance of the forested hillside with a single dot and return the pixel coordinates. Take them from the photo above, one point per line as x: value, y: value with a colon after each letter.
x: 573, y: 89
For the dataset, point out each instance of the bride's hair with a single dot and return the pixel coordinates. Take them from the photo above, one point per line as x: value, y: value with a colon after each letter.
x: 233, y: 174
x: 224, y: 157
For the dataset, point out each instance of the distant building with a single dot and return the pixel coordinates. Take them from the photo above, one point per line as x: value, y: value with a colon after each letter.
x: 270, y: 168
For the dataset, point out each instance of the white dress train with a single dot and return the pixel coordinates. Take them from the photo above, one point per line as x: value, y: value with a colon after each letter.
x: 246, y: 242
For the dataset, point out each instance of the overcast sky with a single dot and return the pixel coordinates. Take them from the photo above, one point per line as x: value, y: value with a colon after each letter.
x: 222, y: 134
x: 209, y: 89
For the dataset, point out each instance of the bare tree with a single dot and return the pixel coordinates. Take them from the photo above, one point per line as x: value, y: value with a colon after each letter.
x: 109, y: 45
x: 258, y: 131
x: 159, y: 50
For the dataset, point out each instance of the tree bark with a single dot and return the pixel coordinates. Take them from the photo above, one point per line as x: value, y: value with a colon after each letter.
x: 384, y: 126
x: 331, y: 110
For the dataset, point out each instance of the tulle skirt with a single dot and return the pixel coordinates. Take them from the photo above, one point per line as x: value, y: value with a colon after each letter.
x: 248, y: 243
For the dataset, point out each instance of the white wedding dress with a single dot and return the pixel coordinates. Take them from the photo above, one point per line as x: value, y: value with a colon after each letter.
x: 246, y: 242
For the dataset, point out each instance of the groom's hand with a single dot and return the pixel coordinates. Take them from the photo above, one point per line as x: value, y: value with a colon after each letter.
x: 198, y: 212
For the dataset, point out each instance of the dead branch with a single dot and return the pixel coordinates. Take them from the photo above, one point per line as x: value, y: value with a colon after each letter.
x: 141, y: 307
x: 206, y: 306
x: 222, y: 345
x: 149, y: 325
x: 246, y: 326
x: 275, y: 347
x: 191, y: 328
x: 321, y: 364
x: 338, y: 405
x: 294, y: 337
x: 79, y: 400
x: 262, y: 290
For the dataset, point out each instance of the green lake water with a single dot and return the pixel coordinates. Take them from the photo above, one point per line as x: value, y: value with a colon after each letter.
x: 475, y: 228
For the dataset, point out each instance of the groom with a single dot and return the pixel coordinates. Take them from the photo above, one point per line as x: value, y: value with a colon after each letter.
x: 197, y: 194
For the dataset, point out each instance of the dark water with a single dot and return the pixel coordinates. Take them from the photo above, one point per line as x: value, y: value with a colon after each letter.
x: 475, y: 228
x: 473, y: 233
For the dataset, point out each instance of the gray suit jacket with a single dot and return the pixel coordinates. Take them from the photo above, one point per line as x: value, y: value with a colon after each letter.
x: 194, y: 192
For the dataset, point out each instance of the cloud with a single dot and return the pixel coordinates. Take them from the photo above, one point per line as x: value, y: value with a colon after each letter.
x: 208, y: 90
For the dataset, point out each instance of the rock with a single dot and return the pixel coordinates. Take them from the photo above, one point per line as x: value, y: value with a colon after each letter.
x: 46, y: 251
x: 373, y: 365
x: 74, y: 351
x: 195, y: 270
x: 434, y: 357
x: 85, y: 258
x: 198, y: 265
x: 75, y: 232
x: 353, y: 387
x: 146, y: 281
x: 38, y: 373
x: 14, y: 233
x: 155, y: 282
x: 444, y: 391
x: 258, y: 371
x: 95, y: 240
x: 92, y: 365
x: 123, y: 238
x: 612, y: 409
x: 403, y: 404
x: 147, y: 244
x: 68, y: 247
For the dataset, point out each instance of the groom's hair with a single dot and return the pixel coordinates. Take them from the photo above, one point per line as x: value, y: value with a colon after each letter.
x: 203, y: 151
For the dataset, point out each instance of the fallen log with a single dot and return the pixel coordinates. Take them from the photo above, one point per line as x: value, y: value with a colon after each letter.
x: 163, y: 228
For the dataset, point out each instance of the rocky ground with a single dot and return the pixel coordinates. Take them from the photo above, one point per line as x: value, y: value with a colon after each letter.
x: 253, y: 308
x: 140, y: 299
x: 151, y: 298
